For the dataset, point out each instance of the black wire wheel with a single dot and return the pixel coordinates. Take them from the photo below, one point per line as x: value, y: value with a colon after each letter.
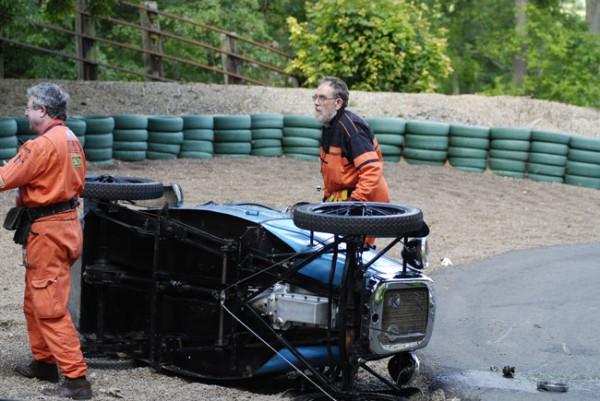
x: 360, y: 396
x: 106, y: 187
x: 359, y: 218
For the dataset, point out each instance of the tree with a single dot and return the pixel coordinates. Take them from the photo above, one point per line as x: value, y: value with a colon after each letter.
x: 592, y: 15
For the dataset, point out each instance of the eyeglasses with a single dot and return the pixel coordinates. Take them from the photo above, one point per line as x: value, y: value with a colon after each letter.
x: 34, y: 107
x: 321, y: 98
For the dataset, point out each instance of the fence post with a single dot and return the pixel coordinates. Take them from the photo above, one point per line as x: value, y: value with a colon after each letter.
x: 151, y: 40
x: 230, y: 63
x: 86, y: 48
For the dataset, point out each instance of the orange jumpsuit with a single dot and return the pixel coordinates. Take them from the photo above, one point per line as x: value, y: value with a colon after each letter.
x: 50, y: 169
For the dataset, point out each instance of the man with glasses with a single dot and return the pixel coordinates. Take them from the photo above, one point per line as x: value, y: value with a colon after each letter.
x: 351, y: 162
x: 49, y: 171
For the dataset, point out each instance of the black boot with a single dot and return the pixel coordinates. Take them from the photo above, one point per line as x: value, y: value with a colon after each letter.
x: 39, y: 370
x: 76, y: 389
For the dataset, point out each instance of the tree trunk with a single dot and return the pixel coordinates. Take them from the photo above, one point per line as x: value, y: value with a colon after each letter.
x: 519, y: 68
x: 592, y: 15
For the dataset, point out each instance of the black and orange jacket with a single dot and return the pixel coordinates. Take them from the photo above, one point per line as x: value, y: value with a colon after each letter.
x: 351, y: 159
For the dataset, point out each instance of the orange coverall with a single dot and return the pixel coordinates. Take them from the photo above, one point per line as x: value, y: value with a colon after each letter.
x: 50, y: 169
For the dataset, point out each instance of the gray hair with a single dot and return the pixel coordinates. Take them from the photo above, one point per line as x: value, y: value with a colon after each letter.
x: 50, y: 96
x: 340, y: 89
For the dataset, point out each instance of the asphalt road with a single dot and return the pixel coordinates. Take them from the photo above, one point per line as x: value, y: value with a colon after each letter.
x: 536, y: 310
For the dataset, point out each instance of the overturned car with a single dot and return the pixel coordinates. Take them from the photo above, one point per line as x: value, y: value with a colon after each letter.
x: 236, y: 291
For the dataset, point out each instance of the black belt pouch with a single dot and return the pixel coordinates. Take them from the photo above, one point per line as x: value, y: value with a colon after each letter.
x: 19, y: 220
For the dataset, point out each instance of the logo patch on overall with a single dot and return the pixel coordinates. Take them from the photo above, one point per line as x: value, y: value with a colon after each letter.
x: 76, y: 159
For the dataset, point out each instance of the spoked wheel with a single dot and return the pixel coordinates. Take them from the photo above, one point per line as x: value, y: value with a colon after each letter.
x: 358, y: 397
x: 359, y: 218
x: 107, y: 187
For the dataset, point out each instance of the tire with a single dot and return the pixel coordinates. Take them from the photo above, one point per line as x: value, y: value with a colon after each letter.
x: 187, y: 154
x: 197, y: 146
x: 232, y: 122
x: 268, y: 152
x: 232, y: 148
x: 121, y: 188
x: 506, y: 133
x: 8, y: 153
x: 510, y: 144
x: 469, y: 131
x: 153, y: 155
x: 99, y: 125
x: 241, y: 135
x: 582, y: 181
x: 130, y: 135
x: 198, y: 122
x: 435, y: 163
x: 468, y: 162
x: 359, y: 218
x: 467, y: 152
x: 508, y: 173
x: 548, y: 147
x: 99, y: 141
x: 301, y: 121
x: 164, y: 147
x: 267, y: 133
x: 544, y: 178
x: 392, y: 158
x: 424, y: 154
x: 24, y: 138
x: 9, y: 142
x: 427, y: 128
x: 98, y: 155
x: 165, y: 124
x: 585, y: 156
x: 298, y: 141
x: 583, y: 169
x: 77, y: 126
x: 509, y: 154
x: 302, y: 132
x: 548, y: 136
x: 466, y: 142
x: 469, y: 169
x: 301, y: 150
x: 545, y: 158
x: 8, y: 127
x: 266, y: 120
x: 387, y: 125
x: 585, y: 143
x: 390, y: 139
x: 428, y: 142
x: 390, y: 150
x: 507, y: 165
x: 266, y: 143
x: 23, y: 127
x: 198, y: 135
x: 545, y: 169
x: 170, y: 138
x: 129, y: 155
x: 130, y: 146
x: 131, y: 121
x: 301, y: 156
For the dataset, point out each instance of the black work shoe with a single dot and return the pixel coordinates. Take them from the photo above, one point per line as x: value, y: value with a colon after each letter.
x: 76, y: 389
x: 39, y: 370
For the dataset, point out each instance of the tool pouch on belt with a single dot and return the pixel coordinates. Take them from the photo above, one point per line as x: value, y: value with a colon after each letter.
x: 18, y: 219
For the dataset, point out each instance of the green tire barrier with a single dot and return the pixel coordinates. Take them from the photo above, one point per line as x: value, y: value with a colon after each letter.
x: 198, y: 134
x: 7, y: 153
x: 266, y: 143
x: 427, y: 128
x: 151, y: 155
x: 302, y: 132
x: 550, y: 136
x: 23, y: 127
x: 429, y: 142
x: 8, y: 127
x: 233, y: 148
x: 240, y: 135
x: 129, y: 155
x: 130, y: 135
x: 545, y: 169
x: 390, y: 150
x: 585, y: 143
x: 467, y: 152
x: 266, y: 120
x: 591, y: 170
x: 9, y: 142
x: 302, y: 121
x: 267, y: 152
x: 301, y: 150
x: 469, y: 169
x: 509, y: 154
x: 509, y: 173
x: 299, y: 141
x: 267, y: 133
x: 232, y: 122
x: 510, y: 144
x: 165, y: 124
x: 130, y: 146
x: 468, y: 162
x: 98, y: 155
x: 506, y: 133
x: 425, y: 155
x: 469, y: 131
x: 467, y: 142
x: 390, y: 139
x: 201, y: 122
x: 195, y: 155
x: 507, y: 165
x: 544, y: 178
x: 578, y: 155
x: 99, y: 141
x: 392, y: 158
x: 547, y: 158
x: 77, y: 126
x: 424, y: 162
x: 548, y: 147
x: 172, y: 138
x: 99, y: 125
x: 302, y: 156
x: 164, y: 147
x: 197, y: 146
x: 131, y: 121
x: 582, y: 181
x: 386, y: 125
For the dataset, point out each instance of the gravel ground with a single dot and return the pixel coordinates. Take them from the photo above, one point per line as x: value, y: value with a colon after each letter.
x: 472, y: 216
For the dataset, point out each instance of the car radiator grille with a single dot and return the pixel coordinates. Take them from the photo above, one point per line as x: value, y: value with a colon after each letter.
x: 405, y: 313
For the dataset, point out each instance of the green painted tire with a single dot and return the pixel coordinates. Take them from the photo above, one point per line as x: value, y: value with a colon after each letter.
x: 591, y: 170
x: 428, y: 142
x: 427, y: 128
x: 390, y: 150
x: 151, y: 155
x: 266, y: 120
x: 8, y: 127
x: 468, y: 162
x: 98, y: 125
x: 510, y: 144
x: 130, y: 135
x: 129, y: 155
x: 302, y: 156
x: 266, y: 143
x: 302, y: 132
x: 197, y: 146
x: 130, y: 146
x: 585, y: 156
x: 9, y: 142
x: 241, y: 135
x: 99, y: 141
x: 76, y: 125
x: 268, y: 152
x: 392, y: 158
x: 298, y: 141
x: 508, y: 173
x: 301, y: 150
x: 195, y: 155
x: 545, y: 178
x: 198, y: 135
x: 23, y: 127
x: 550, y: 136
x: 169, y: 138
x: 467, y: 152
x: 467, y: 142
x: 585, y: 143
x: 424, y: 154
x: 24, y: 138
x: 513, y: 134
x: 546, y: 158
x: 390, y: 139
x: 131, y: 121
x: 165, y: 124
x: 198, y: 122
x: 582, y: 181
x: 549, y: 147
x: 8, y: 153
x: 424, y: 162
x: 545, y: 169
x: 267, y: 133
x: 301, y: 121
x: 509, y: 154
x: 507, y: 165
x: 386, y: 125
x: 469, y: 169
x: 469, y: 131
x: 98, y: 155
x: 232, y: 148
x: 232, y: 122
x: 164, y: 147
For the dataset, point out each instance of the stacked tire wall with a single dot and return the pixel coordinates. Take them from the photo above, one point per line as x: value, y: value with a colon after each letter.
x: 98, y: 146
x: 233, y: 137
x: 426, y: 142
x: 468, y: 147
x: 583, y: 163
x: 130, y: 137
x: 267, y: 134
x: 548, y: 156
x: 389, y: 132
x: 165, y: 136
x: 509, y: 151
x: 301, y: 136
x: 9, y: 143
x: 198, y: 137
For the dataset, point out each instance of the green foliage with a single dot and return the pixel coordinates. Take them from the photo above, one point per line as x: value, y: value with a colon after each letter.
x: 373, y: 45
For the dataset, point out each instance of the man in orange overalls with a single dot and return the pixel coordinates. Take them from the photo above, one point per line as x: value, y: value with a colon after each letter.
x: 50, y: 172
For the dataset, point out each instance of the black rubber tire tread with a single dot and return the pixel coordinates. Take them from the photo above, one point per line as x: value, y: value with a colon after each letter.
x: 582, y: 181
x: 98, y: 155
x: 469, y: 131
x: 152, y: 155
x: 302, y: 156
x: 507, y: 165
x: 130, y: 135
x: 313, y: 133
x: 232, y: 148
x: 392, y: 158
x: 267, y: 133
x: 508, y: 173
x: 469, y: 169
x: 164, y: 147
x: 76, y: 125
x: 165, y: 124
x: 232, y: 122
x: 510, y: 144
x: 390, y: 139
x: 301, y: 150
x: 545, y: 178
x: 187, y: 154
x: 198, y: 135
x: 98, y: 125
x: 585, y: 156
x: 8, y: 153
x: 550, y: 136
x: 436, y: 163
x: 509, y: 154
x: 99, y: 141
x: 301, y: 121
x: 549, y: 147
x: 466, y: 142
x: 266, y: 120
x: 591, y: 170
x: 509, y: 133
x: 23, y: 127
x: 427, y: 128
x: 131, y: 121
x: 468, y: 162
x: 129, y: 155
x: 170, y: 138
x: 197, y: 146
x: 266, y: 143
x: 359, y: 218
x: 387, y: 125
x: 130, y: 146
x: 241, y: 135
x: 198, y: 121
x: 268, y: 152
x: 9, y: 142
x: 390, y: 150
x: 546, y: 158
x: 545, y: 169
x: 298, y: 141
x: 425, y: 154
x: 430, y: 142
x: 8, y: 127
x: 455, y: 151
x: 121, y: 188
x: 585, y: 143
